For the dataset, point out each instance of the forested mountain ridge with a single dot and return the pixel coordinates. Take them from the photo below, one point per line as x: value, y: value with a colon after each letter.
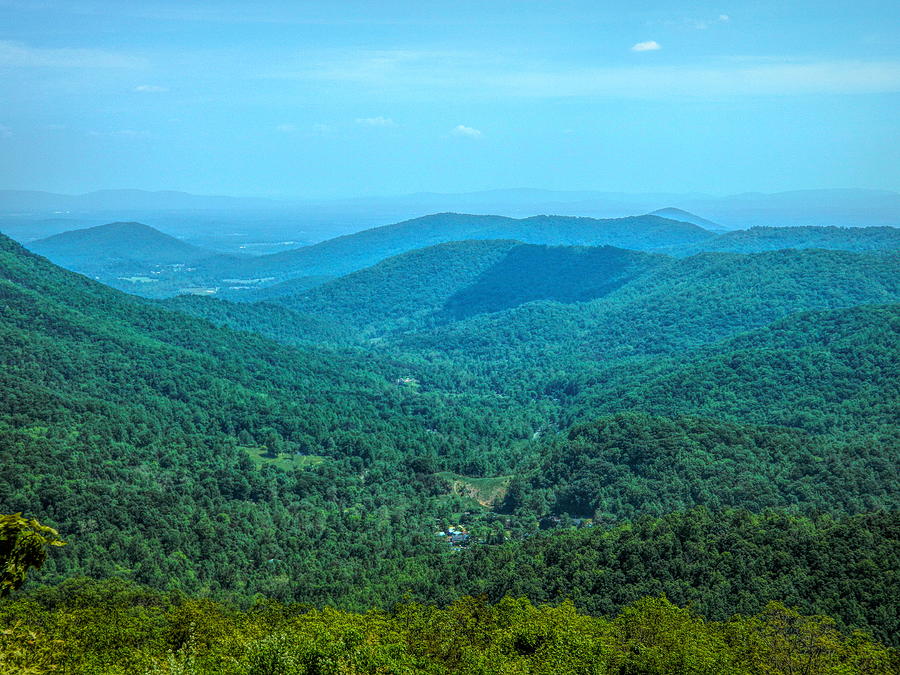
x: 133, y: 257
x: 144, y: 261
x: 643, y: 293
x: 348, y: 253
x: 117, y: 243
x: 451, y: 281
x: 404, y: 290
x: 681, y: 304
x: 119, y: 341
x: 104, y: 251
x: 756, y: 239
x: 139, y: 432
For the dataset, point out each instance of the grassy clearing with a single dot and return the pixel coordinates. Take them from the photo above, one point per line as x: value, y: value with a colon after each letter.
x: 286, y: 461
x: 485, y: 491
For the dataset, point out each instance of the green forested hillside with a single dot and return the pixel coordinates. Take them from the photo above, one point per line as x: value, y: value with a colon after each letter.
x: 135, y: 258
x: 621, y: 387
x: 756, y: 239
x: 832, y: 372
x: 272, y: 321
x: 559, y: 274
x: 404, y: 291
x: 630, y: 464
x: 643, y: 303
x: 144, y: 261
x: 134, y: 430
x: 452, y: 281
x: 683, y: 304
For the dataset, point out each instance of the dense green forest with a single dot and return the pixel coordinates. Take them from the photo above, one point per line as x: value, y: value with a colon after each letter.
x: 758, y: 239
x: 483, y: 418
x: 270, y: 320
x: 450, y: 282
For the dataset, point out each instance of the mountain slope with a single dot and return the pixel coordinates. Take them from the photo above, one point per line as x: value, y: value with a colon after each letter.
x: 137, y: 431
x: 190, y: 457
x: 117, y: 347
x: 628, y: 465
x: 451, y: 281
x: 403, y: 291
x: 832, y: 371
x: 352, y: 252
x: 681, y: 304
x: 94, y: 248
x: 757, y: 239
x: 673, y: 213
x: 134, y: 257
x: 271, y: 321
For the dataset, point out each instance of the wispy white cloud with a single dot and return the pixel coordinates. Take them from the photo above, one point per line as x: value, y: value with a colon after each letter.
x: 286, y: 128
x: 376, y: 122
x: 649, y: 46
x: 703, y: 24
x: 779, y: 79
x: 150, y: 89
x: 378, y: 67
x: 322, y: 129
x: 465, y: 132
x: 409, y: 74
x: 5, y: 131
x: 20, y: 55
x: 119, y: 133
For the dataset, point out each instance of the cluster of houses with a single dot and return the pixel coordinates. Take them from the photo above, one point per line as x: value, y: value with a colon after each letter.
x: 456, y: 537
x: 550, y: 522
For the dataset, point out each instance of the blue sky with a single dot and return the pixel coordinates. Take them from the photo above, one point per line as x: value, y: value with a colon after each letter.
x: 326, y: 99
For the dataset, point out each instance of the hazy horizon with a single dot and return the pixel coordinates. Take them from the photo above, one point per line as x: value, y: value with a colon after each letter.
x: 289, y: 199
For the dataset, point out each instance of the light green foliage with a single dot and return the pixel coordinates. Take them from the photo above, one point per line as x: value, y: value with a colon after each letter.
x: 168, y: 634
x: 23, y: 545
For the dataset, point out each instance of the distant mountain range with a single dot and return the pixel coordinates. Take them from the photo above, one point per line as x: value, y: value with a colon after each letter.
x: 142, y: 260
x: 355, y: 251
x: 31, y: 215
x: 124, y: 255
